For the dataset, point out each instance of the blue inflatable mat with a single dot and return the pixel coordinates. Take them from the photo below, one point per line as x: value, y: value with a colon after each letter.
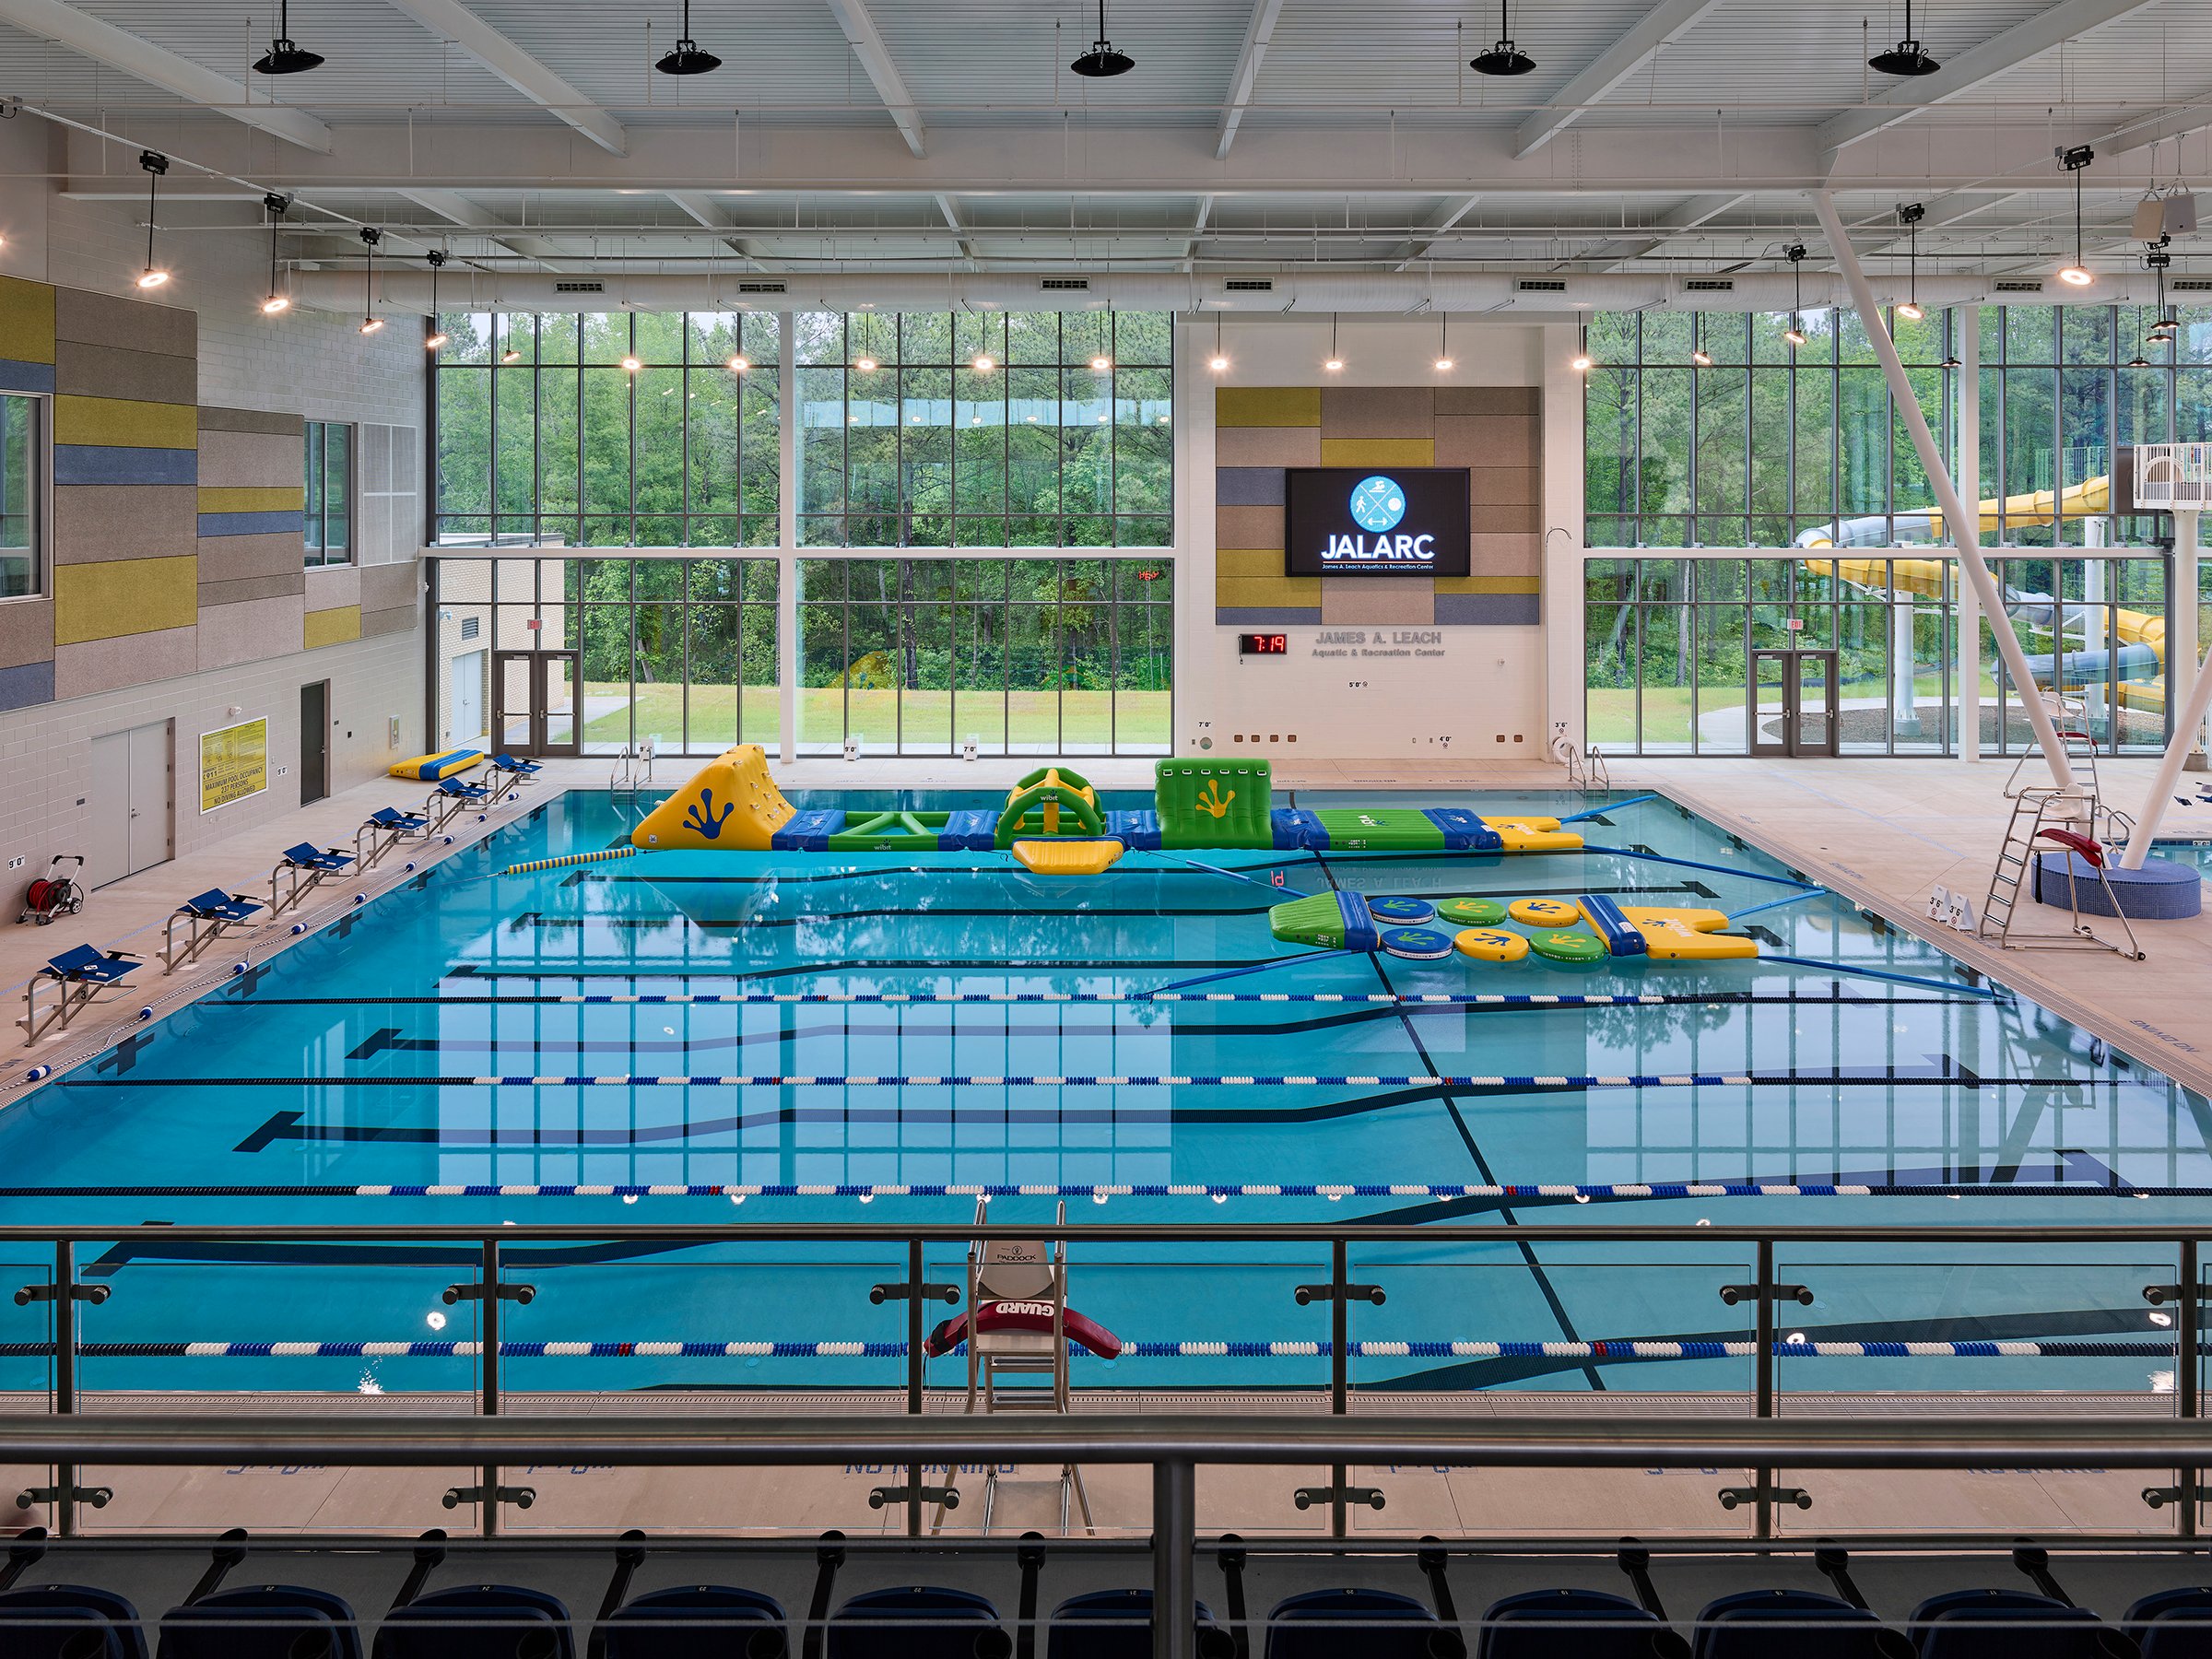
x: 1465, y: 831
x: 1403, y: 912
x: 972, y: 830
x: 1297, y: 830
x: 1621, y: 936
x: 1137, y: 831
x: 808, y: 832
x: 1360, y: 931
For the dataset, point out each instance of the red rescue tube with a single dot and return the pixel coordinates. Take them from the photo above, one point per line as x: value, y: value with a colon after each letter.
x: 1086, y: 1333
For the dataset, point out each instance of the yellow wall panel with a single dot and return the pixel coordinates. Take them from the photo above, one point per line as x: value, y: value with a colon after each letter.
x: 1378, y: 452
x: 26, y: 320
x: 333, y: 627
x: 125, y: 423
x: 118, y: 597
x: 1299, y: 590
x: 1267, y: 407
x: 1488, y: 585
x: 1248, y: 561
x: 239, y: 499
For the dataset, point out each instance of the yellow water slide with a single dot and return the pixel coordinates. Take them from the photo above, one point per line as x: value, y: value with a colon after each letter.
x: 1925, y: 576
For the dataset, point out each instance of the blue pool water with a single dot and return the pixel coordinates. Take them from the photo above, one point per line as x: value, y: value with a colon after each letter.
x: 473, y: 1030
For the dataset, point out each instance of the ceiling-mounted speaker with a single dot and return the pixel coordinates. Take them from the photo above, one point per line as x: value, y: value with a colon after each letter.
x: 2164, y: 216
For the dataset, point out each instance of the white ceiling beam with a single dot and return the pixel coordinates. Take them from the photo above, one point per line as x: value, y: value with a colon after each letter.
x: 867, y: 40
x: 450, y: 20
x: 1259, y: 34
x: 1658, y: 28
x: 457, y: 209
x: 448, y: 204
x: 1687, y: 216
x: 701, y: 209
x: 2019, y: 44
x: 157, y: 66
x: 952, y: 222
x: 1435, y: 228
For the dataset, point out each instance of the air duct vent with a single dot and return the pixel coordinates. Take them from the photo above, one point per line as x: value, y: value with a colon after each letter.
x: 1709, y: 285
x: 580, y: 287
x: 1541, y: 285
x: 2191, y: 285
x: 1053, y: 284
x: 1249, y: 285
x: 2018, y: 285
x: 763, y: 288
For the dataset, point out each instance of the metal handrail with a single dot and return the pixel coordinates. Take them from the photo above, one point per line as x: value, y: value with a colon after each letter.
x: 377, y: 1440
x: 1316, y: 1234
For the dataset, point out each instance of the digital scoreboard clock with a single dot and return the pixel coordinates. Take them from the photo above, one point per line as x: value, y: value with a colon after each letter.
x: 1263, y: 644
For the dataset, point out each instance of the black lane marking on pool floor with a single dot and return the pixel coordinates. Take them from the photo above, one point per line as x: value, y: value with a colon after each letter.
x: 1459, y: 1122
x: 1850, y: 998
x: 291, y: 1127
x: 630, y: 970
x: 662, y: 918
x: 2070, y: 1322
x: 394, y: 1039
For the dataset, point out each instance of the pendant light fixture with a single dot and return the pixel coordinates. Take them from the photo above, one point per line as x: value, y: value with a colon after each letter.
x: 275, y: 302
x: 1701, y: 358
x: 370, y: 321
x: 631, y: 362
x: 1910, y: 216
x: 1102, y: 62
x: 686, y: 58
x: 865, y: 360
x: 1219, y: 363
x: 1504, y: 58
x: 1335, y: 364
x: 1443, y: 349
x: 437, y: 339
x: 2156, y: 259
x: 1794, y: 333
x: 156, y: 164
x: 1582, y: 362
x: 2076, y: 161
x: 1906, y: 57
x: 285, y: 56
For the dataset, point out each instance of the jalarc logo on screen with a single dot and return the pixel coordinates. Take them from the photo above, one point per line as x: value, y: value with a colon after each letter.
x: 1378, y: 506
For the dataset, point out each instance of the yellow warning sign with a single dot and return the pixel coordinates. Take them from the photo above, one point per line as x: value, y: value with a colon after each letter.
x: 234, y: 763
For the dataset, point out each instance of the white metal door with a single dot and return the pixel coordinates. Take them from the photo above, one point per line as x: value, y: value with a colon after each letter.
x: 467, y: 730
x: 150, y: 797
x: 108, y: 811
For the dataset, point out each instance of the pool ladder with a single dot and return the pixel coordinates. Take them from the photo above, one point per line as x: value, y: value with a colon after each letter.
x: 633, y: 769
x: 2049, y: 812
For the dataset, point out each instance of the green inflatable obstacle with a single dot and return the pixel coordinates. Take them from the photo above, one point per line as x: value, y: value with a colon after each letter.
x: 1053, y: 800
x: 890, y: 832
x: 1214, y: 804
x: 1380, y: 829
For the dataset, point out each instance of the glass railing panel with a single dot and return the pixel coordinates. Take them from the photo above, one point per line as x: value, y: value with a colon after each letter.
x: 1577, y: 1331
x: 1975, y: 1332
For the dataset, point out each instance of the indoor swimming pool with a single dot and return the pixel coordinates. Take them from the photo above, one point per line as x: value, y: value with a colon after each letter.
x: 773, y: 1039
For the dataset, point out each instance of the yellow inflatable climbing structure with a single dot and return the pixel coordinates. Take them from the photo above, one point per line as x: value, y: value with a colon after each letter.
x: 732, y: 807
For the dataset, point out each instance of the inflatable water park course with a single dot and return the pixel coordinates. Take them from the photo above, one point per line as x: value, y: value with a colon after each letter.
x: 1400, y: 927
x: 1053, y: 823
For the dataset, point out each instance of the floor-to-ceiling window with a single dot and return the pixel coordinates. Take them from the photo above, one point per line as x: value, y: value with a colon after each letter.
x: 607, y: 429
x: 1017, y: 655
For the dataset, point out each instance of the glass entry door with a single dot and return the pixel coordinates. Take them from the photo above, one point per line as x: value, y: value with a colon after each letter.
x: 535, y: 712
x: 1794, y: 703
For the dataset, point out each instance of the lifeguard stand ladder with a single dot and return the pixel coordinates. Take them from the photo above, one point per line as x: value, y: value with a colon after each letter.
x: 2054, y: 817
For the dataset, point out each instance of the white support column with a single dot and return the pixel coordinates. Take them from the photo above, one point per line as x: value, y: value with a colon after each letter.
x: 1967, y: 682
x: 787, y: 542
x: 2181, y: 631
x: 2186, y: 728
x: 1957, y: 515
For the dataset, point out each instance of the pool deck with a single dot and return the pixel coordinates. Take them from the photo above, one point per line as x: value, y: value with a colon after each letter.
x: 1881, y: 832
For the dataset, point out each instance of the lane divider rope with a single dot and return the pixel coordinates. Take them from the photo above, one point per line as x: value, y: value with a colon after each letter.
x: 1624, y: 1349
x: 1100, y: 1192
x: 1111, y: 1081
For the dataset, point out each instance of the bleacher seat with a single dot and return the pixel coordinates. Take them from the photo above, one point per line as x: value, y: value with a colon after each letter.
x: 1373, y: 1624
x: 1593, y: 1624
x: 1806, y: 1623
x: 69, y: 1621
x: 2008, y: 1624
x: 477, y: 1621
x: 695, y: 1621
x: 920, y: 1623
x: 261, y: 1621
x: 1117, y: 1624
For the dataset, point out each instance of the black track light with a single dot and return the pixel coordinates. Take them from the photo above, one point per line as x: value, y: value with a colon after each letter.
x: 1794, y: 333
x: 2077, y: 161
x: 684, y: 57
x: 1504, y: 58
x: 437, y: 339
x: 156, y: 164
x: 1910, y: 216
x: 370, y: 321
x: 1102, y: 62
x: 1906, y: 57
x: 285, y: 55
x: 276, y: 302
